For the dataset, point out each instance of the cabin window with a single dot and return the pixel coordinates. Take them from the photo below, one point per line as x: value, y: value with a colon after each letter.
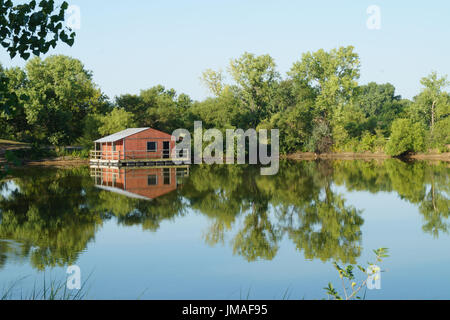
x: 152, y: 146
x: 153, y: 180
x: 114, y: 148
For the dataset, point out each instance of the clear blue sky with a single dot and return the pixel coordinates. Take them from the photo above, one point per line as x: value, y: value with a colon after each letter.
x: 135, y: 44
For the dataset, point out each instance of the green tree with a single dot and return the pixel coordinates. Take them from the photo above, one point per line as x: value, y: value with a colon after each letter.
x: 59, y: 94
x: 440, y: 136
x: 30, y: 27
x: 333, y: 75
x: 433, y: 103
x: 406, y: 137
x: 380, y: 104
x: 213, y: 81
x: 321, y: 139
x: 12, y: 115
x: 159, y: 108
x: 222, y: 112
x: 257, y: 78
x: 353, y: 119
x: 33, y: 27
x: 294, y: 118
x: 133, y: 104
x: 91, y: 125
x: 116, y: 120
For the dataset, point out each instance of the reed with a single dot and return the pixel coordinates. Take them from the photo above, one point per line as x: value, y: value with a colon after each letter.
x: 49, y: 289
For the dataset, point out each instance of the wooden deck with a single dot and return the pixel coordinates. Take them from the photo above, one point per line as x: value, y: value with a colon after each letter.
x: 134, y: 159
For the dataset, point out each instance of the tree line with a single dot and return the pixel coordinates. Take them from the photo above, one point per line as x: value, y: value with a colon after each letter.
x: 319, y: 106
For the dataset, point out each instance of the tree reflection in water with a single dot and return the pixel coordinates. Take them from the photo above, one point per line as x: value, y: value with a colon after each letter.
x: 50, y: 215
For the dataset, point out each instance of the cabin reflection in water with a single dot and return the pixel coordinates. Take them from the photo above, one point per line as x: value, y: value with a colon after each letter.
x: 139, y: 183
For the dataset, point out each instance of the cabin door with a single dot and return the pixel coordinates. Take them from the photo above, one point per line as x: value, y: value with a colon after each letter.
x: 166, y: 149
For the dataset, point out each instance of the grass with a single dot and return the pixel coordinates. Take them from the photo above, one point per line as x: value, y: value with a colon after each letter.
x: 18, y: 153
x: 77, y: 154
x: 49, y: 290
x: 247, y: 295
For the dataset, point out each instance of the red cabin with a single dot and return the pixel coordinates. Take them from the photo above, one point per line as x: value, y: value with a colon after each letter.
x: 133, y: 145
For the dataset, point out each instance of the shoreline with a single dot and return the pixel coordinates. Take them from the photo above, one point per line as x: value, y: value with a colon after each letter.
x: 49, y: 162
x: 57, y: 163
x: 365, y: 156
x: 298, y: 156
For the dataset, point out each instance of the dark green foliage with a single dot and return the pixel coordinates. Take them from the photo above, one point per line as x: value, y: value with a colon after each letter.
x: 157, y: 107
x: 440, y: 135
x: 406, y: 137
x: 380, y: 104
x: 321, y: 139
x: 33, y: 27
x: 29, y: 28
x: 53, y: 97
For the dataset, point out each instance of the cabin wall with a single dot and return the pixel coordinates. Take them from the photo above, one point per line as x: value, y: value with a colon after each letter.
x: 136, y: 145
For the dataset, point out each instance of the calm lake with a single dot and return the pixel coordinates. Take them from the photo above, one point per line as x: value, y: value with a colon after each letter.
x: 226, y: 232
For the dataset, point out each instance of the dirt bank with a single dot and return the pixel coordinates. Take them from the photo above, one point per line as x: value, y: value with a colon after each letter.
x: 437, y: 156
x: 67, y: 161
x: 364, y: 156
x: 58, y: 162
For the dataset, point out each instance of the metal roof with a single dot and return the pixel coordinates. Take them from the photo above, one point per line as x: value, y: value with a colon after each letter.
x: 120, y: 135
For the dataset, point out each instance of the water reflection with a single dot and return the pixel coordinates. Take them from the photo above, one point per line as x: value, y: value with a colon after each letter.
x: 139, y: 183
x: 299, y: 202
x: 48, y: 216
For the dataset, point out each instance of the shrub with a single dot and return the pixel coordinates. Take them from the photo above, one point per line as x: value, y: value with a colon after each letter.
x: 321, y: 140
x: 81, y: 153
x: 340, y: 138
x: 406, y: 136
x: 440, y: 136
x: 367, y: 142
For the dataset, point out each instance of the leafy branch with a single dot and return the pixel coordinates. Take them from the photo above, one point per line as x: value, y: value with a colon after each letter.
x: 351, y: 288
x: 33, y: 27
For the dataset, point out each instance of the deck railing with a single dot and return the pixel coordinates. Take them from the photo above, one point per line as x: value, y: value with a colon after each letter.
x: 131, y: 155
x: 146, y: 155
x: 105, y: 155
